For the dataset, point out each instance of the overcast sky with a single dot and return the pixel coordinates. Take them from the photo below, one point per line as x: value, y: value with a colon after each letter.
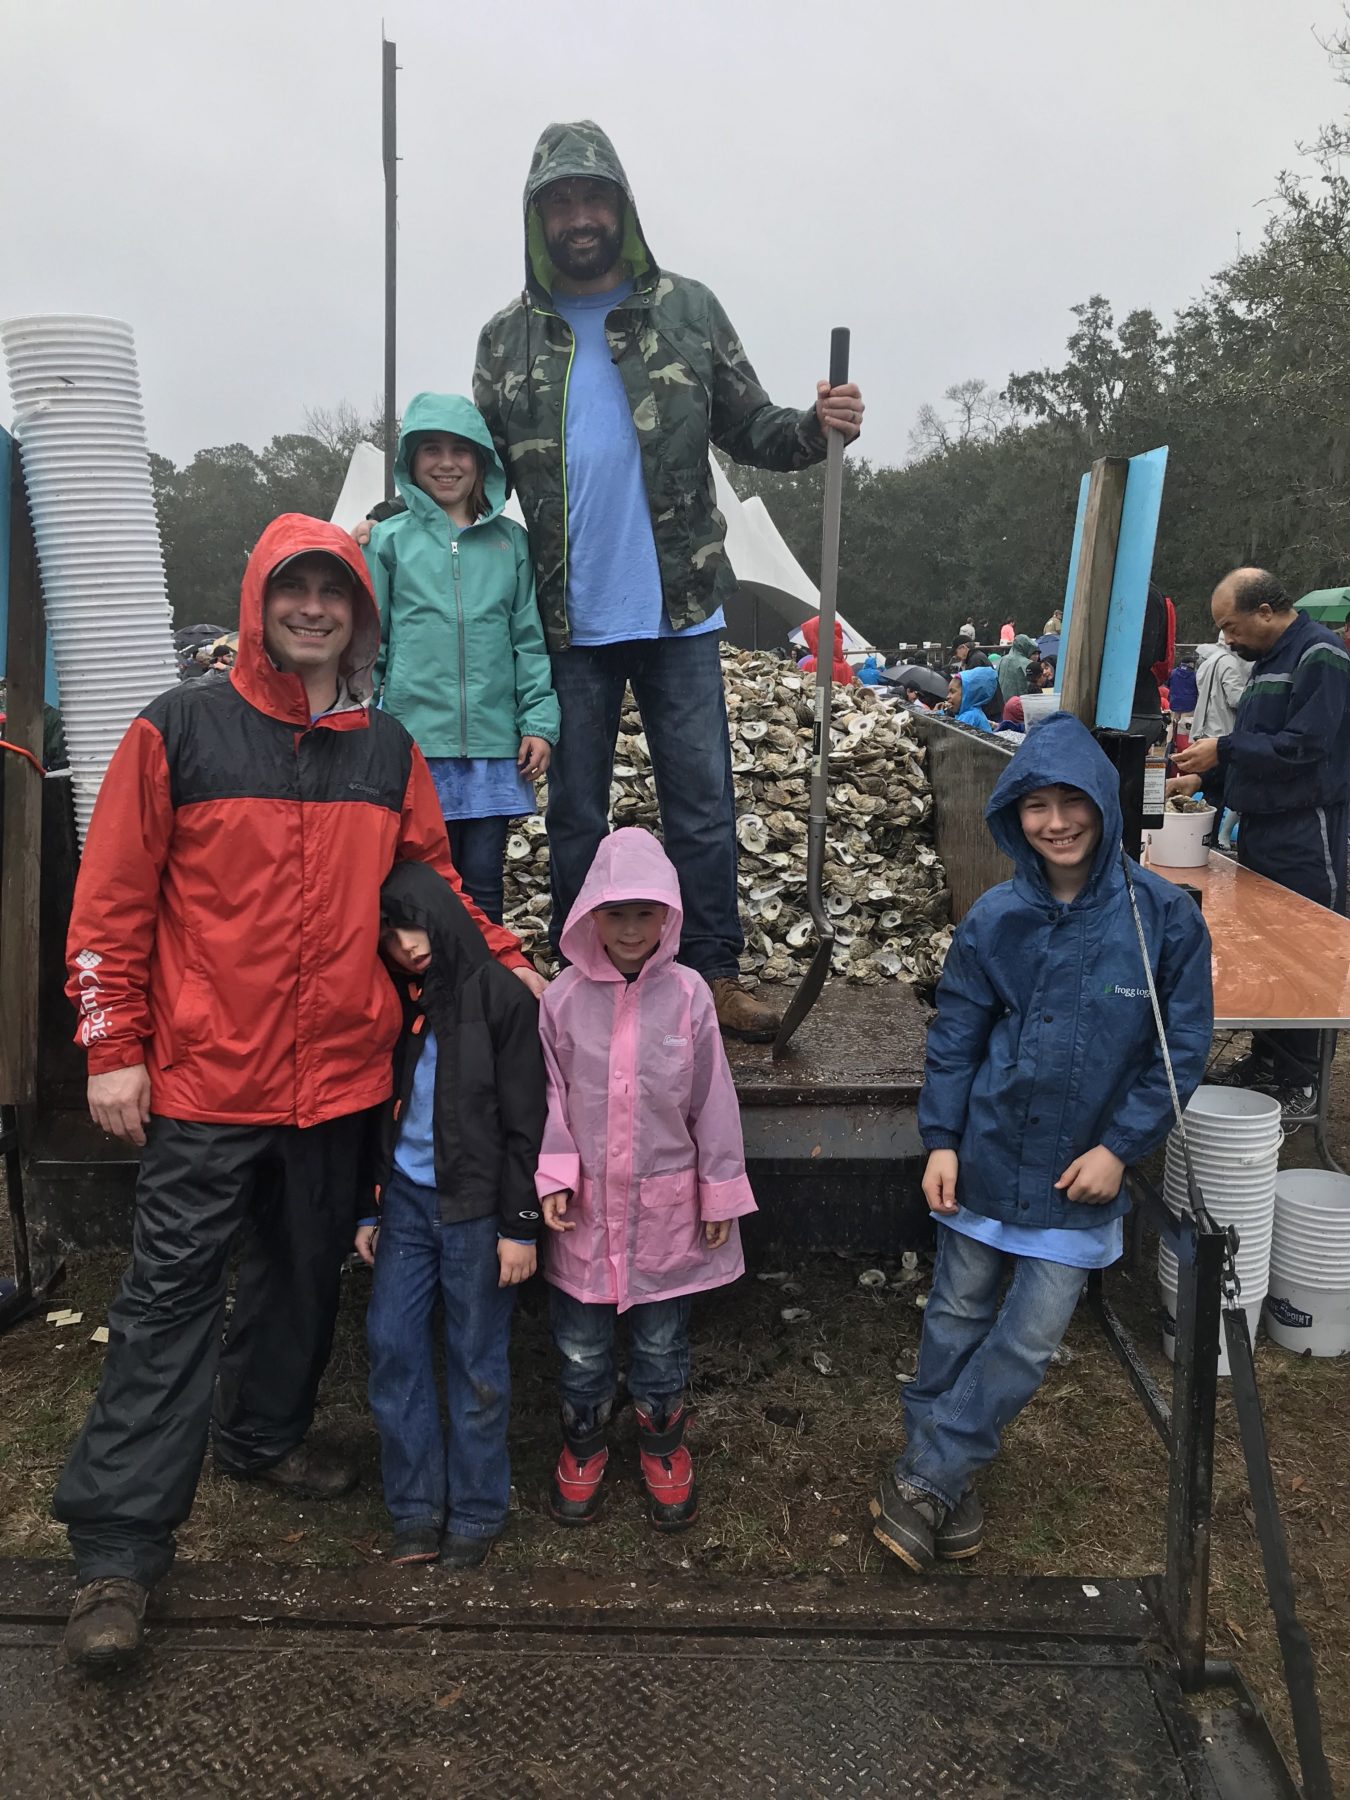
x: 947, y: 179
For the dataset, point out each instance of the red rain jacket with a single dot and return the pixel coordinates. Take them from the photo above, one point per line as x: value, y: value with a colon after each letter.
x: 840, y: 671
x: 227, y: 912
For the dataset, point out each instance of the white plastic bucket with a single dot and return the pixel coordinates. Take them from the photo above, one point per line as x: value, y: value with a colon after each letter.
x: 1309, y: 1320
x: 1183, y: 839
x: 1309, y: 1305
x: 1036, y: 708
x: 1233, y: 1106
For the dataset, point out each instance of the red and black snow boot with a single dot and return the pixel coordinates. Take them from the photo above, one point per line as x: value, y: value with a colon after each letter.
x: 577, y: 1488
x: 667, y: 1471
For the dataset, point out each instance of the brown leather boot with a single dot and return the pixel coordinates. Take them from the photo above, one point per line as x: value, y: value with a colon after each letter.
x: 311, y: 1473
x: 106, y: 1624
x: 740, y: 1015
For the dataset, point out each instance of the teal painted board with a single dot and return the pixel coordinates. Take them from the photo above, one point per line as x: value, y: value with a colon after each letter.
x: 1129, y: 589
x: 8, y: 451
x: 1073, y: 570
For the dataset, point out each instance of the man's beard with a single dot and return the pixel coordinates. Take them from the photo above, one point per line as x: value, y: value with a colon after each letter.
x: 598, y: 259
x: 1245, y: 653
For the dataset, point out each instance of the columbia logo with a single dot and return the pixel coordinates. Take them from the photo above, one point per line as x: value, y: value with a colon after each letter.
x: 362, y: 787
x: 88, y: 959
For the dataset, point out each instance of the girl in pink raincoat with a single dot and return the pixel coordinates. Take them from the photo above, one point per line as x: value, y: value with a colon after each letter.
x: 641, y: 1175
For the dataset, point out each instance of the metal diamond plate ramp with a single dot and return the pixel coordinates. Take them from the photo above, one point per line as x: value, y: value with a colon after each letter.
x: 321, y: 1693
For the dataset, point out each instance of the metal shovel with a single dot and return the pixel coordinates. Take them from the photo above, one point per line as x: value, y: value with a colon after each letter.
x: 814, y: 979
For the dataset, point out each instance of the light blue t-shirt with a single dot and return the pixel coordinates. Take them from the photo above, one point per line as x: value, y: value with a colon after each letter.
x: 613, y: 576
x: 1094, y: 1247
x: 414, y: 1153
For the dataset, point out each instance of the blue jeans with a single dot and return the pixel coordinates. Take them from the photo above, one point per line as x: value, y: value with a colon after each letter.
x: 465, y: 1487
x: 658, y: 1354
x: 979, y: 1362
x: 677, y: 683
x: 478, y: 850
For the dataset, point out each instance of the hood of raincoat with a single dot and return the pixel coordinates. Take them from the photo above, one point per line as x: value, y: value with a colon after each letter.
x: 1024, y: 645
x: 448, y: 413
x: 415, y: 896
x: 1060, y: 751
x: 629, y: 865
x: 579, y: 149
x: 259, y: 680
x: 977, y: 688
x: 842, y: 669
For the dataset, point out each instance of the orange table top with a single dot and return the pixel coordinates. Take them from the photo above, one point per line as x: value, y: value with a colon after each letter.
x: 1279, y: 960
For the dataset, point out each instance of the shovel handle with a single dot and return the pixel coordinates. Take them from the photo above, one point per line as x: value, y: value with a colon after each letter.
x: 839, y: 356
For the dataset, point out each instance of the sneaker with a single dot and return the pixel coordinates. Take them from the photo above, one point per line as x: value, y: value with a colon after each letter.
x: 740, y: 1014
x: 106, y: 1624
x: 310, y: 1473
x: 962, y: 1530
x: 465, y: 1552
x: 667, y: 1470
x: 1296, y: 1103
x: 1247, y: 1072
x: 907, y: 1521
x: 418, y: 1544
x: 578, y: 1486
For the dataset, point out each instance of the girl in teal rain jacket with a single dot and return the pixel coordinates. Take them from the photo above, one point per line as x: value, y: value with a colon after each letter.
x: 462, y: 660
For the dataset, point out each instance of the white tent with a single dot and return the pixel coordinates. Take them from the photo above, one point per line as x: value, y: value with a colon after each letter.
x: 775, y: 596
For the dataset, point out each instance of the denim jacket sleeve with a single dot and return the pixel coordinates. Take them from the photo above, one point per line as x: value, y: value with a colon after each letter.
x: 967, y: 1008
x: 1186, y: 997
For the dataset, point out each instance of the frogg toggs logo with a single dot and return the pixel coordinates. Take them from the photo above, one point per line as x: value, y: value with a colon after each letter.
x: 93, y: 1014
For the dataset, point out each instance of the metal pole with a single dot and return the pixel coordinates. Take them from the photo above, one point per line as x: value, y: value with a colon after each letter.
x: 1195, y: 1385
x: 389, y: 125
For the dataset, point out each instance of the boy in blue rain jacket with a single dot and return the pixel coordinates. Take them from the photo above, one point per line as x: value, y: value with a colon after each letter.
x: 1043, y: 1080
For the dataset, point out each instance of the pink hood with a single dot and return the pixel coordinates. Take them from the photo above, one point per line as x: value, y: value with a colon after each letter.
x: 629, y: 865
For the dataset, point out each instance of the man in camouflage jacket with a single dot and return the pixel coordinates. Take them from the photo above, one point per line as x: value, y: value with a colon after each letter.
x: 603, y: 384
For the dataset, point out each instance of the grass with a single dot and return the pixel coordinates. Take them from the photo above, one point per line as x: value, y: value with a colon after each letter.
x: 787, y: 1458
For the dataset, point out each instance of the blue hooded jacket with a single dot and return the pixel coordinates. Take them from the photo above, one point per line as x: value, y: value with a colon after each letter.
x: 1044, y: 1044
x: 977, y: 687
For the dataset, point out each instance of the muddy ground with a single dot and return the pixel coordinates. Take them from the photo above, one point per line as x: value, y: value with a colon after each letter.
x: 787, y: 1456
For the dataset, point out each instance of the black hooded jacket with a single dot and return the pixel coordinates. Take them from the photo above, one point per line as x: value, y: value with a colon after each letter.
x: 490, y: 1090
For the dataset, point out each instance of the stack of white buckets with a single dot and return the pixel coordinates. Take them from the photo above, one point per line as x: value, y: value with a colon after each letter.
x: 81, y: 428
x: 1308, y: 1306
x: 1235, y: 1140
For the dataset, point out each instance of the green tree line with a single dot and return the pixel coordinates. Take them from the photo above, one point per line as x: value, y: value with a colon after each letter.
x: 1249, y: 387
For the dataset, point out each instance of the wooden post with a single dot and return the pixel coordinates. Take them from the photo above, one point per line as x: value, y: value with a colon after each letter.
x: 1081, y: 667
x: 21, y: 849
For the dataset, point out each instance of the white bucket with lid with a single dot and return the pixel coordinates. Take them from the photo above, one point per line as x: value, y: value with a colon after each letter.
x: 1037, y: 708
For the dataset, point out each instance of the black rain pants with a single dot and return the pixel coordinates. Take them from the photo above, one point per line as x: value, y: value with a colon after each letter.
x: 130, y: 1479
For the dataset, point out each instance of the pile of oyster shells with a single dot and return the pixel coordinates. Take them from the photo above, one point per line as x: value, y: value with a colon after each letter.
x: 884, y: 886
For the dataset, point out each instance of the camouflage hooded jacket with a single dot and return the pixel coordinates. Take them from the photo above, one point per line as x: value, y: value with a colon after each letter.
x: 688, y: 382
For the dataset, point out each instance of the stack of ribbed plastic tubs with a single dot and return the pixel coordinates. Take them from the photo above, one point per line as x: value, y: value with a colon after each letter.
x: 81, y: 427
x: 1235, y: 1139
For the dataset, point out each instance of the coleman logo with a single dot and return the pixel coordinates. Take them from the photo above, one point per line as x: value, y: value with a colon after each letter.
x: 93, y: 1014
x: 676, y: 1043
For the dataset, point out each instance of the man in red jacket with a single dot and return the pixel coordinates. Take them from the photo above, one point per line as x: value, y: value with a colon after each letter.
x: 244, y: 823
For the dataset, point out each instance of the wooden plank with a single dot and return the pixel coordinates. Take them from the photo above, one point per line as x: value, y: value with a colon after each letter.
x: 1080, y: 670
x: 1278, y: 959
x: 21, y: 848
